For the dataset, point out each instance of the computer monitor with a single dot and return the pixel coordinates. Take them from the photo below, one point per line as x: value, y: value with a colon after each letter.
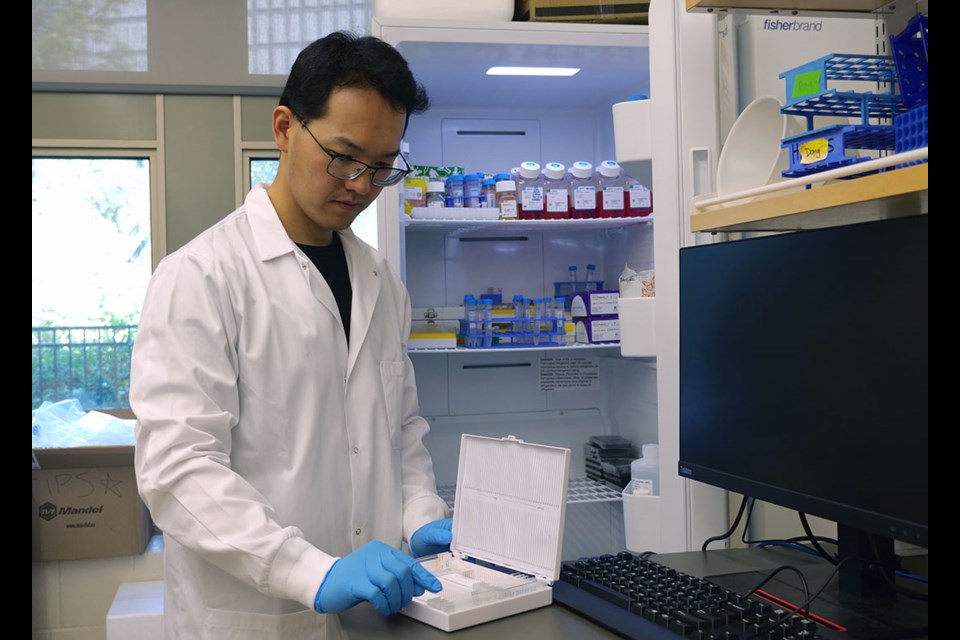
x: 803, y: 380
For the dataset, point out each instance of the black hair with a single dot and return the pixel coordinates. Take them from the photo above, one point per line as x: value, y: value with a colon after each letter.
x: 344, y: 59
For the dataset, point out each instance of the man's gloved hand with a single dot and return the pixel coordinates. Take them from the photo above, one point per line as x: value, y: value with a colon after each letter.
x: 433, y: 537
x: 385, y: 577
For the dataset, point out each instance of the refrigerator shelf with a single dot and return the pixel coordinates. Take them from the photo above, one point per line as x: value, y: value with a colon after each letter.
x: 579, y: 490
x: 462, y: 226
x: 573, y: 346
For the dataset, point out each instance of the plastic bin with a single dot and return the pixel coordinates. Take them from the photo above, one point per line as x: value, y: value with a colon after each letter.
x: 910, y: 54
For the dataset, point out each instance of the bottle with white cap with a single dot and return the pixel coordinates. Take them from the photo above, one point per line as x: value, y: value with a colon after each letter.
x: 583, y: 190
x: 530, y: 192
x: 556, y: 190
x: 435, y: 193
x: 507, y: 199
x: 645, y: 472
x: 610, y: 197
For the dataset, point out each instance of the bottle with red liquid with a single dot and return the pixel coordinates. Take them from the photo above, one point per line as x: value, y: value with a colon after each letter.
x: 610, y: 193
x: 583, y: 190
x: 556, y: 190
x: 530, y: 203
x: 638, y: 197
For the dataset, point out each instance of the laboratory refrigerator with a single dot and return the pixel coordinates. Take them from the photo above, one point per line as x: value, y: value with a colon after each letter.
x: 686, y: 63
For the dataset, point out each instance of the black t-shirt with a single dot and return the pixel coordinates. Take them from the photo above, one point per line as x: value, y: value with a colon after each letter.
x: 332, y: 264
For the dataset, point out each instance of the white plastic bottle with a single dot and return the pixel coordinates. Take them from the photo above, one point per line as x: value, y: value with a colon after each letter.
x: 645, y: 472
x: 583, y: 190
x: 530, y: 192
x: 556, y: 190
x: 610, y: 193
x: 435, y: 193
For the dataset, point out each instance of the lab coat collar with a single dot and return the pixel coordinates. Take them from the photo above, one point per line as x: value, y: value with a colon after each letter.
x: 366, y: 266
x: 268, y: 233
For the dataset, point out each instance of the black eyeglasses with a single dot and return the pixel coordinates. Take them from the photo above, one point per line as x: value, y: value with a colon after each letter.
x: 344, y: 167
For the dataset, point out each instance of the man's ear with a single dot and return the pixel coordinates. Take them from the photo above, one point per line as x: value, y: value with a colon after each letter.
x: 283, y: 126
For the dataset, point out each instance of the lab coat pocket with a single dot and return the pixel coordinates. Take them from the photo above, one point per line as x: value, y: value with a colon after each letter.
x: 241, y: 625
x: 391, y: 378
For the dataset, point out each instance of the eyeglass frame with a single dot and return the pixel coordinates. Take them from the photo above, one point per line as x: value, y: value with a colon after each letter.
x: 400, y: 173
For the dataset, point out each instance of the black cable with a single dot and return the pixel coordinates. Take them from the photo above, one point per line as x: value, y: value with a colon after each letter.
x: 802, y: 608
x: 813, y: 539
x: 729, y: 532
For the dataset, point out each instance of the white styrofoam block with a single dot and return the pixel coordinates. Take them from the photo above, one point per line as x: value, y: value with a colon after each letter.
x: 637, y: 335
x: 641, y: 522
x: 631, y: 131
x: 136, y: 612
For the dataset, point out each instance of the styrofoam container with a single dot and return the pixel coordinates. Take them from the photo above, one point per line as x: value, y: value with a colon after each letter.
x: 496, y: 10
x: 638, y: 337
x: 136, y: 612
x: 632, y: 133
x: 509, y: 511
x: 752, y: 156
x: 641, y: 521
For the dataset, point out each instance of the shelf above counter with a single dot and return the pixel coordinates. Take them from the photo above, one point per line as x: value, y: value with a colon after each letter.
x: 791, y: 7
x: 890, y: 194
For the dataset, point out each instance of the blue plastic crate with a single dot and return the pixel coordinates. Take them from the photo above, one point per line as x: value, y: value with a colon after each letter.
x: 911, y: 132
x: 910, y: 53
x: 810, y: 79
x: 511, y: 332
x: 827, y: 147
x: 808, y: 93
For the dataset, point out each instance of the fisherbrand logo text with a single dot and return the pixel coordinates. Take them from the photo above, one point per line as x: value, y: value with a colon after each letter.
x: 775, y: 24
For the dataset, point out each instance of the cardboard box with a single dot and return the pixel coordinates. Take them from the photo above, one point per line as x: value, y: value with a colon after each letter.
x: 86, y: 504
x: 612, y: 11
x: 598, y: 329
x: 595, y: 303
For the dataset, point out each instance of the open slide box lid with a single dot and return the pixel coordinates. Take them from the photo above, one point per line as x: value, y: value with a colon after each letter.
x: 510, y: 504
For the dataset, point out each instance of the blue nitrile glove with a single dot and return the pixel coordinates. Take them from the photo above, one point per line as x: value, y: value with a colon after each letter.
x: 385, y: 577
x: 433, y: 537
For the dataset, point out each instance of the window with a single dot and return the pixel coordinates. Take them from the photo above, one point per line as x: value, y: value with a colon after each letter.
x: 92, y: 259
x: 262, y: 167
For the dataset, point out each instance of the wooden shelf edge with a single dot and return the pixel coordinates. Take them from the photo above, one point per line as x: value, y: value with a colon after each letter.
x: 847, y: 6
x: 859, y: 198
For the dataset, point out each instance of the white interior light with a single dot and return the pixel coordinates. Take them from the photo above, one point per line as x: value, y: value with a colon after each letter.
x: 532, y: 71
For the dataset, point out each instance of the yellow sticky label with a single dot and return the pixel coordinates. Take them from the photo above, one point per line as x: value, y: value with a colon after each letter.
x: 814, y: 151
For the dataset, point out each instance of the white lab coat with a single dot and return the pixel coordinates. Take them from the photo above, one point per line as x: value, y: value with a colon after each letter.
x: 266, y: 448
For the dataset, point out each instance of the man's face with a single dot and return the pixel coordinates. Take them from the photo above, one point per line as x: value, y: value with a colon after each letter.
x: 359, y: 124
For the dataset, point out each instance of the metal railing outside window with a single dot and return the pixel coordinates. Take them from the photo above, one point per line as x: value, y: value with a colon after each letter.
x: 91, y: 364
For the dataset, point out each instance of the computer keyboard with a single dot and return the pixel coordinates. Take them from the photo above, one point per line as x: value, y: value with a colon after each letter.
x: 640, y: 598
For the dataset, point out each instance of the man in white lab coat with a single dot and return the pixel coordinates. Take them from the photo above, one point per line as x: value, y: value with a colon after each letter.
x: 279, y: 445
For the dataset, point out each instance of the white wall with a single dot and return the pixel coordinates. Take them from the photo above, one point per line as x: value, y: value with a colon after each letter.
x: 71, y: 597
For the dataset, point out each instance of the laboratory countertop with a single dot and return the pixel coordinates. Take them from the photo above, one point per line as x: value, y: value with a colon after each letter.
x: 555, y: 622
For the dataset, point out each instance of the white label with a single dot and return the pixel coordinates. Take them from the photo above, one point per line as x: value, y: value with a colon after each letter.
x: 532, y: 198
x: 410, y: 192
x: 585, y: 197
x: 557, y: 200
x: 612, y: 198
x: 641, y: 487
x: 569, y: 372
x: 639, y: 196
x: 508, y: 209
x: 595, y: 304
x: 598, y: 330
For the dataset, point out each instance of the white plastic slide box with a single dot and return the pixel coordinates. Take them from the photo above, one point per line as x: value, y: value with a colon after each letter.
x: 508, y: 518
